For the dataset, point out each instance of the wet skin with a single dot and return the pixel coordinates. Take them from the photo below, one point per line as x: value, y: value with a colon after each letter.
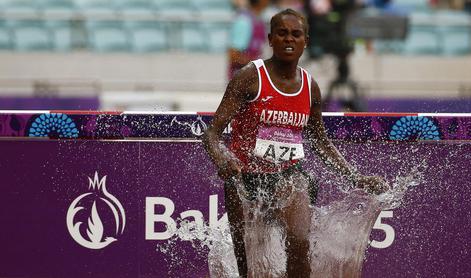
x: 288, y: 40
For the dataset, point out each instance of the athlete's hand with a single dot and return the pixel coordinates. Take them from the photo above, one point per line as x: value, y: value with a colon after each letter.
x: 229, y: 168
x: 372, y: 184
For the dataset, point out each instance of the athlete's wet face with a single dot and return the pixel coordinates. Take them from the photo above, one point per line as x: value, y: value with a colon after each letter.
x: 288, y: 38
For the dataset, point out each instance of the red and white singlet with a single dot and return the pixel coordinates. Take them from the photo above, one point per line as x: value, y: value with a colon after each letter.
x: 267, y: 133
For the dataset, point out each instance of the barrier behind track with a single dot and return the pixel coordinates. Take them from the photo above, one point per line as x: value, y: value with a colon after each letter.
x: 157, y: 172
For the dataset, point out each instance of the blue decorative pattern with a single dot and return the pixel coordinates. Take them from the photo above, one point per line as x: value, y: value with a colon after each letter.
x: 413, y: 127
x: 53, y: 125
x: 115, y: 125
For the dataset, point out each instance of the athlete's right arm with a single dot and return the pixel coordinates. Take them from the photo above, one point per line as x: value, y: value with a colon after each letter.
x: 239, y: 91
x: 330, y: 155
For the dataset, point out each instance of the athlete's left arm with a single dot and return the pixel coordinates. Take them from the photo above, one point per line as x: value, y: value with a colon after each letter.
x: 329, y: 154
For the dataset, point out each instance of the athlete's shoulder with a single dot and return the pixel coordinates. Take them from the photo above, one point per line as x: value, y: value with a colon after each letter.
x: 246, y: 81
x: 246, y: 74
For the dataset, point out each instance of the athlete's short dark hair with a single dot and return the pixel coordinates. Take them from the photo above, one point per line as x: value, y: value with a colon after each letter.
x: 277, y: 17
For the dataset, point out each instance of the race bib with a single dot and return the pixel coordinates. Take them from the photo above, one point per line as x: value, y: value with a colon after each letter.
x: 277, y: 144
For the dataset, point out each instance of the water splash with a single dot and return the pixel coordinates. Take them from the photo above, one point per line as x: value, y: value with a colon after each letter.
x: 339, y: 231
x: 401, y: 184
x: 339, y: 235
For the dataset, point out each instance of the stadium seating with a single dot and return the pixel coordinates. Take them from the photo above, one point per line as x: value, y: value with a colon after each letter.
x: 30, y: 35
x: 56, y: 7
x: 174, y: 8
x: 107, y: 36
x: 412, y: 5
x: 24, y: 8
x: 217, y: 35
x: 422, y: 36
x: 216, y: 12
x: 61, y: 34
x: 5, y: 36
x: 456, y: 42
x: 422, y: 40
x: 193, y: 38
x: 455, y: 32
x: 213, y: 8
x: 211, y: 3
x: 96, y: 8
x: 188, y: 25
x: 389, y: 46
x: 135, y: 8
x: 146, y: 36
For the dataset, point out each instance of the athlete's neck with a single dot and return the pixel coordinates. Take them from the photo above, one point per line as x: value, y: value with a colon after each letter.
x: 286, y: 70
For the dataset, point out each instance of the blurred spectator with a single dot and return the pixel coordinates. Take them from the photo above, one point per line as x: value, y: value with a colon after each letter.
x: 296, y: 5
x: 381, y: 4
x: 467, y: 6
x: 240, y: 4
x: 451, y: 4
x: 388, y: 6
x: 248, y: 36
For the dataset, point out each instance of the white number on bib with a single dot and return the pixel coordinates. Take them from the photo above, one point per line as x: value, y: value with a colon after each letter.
x: 278, y: 151
x: 278, y: 144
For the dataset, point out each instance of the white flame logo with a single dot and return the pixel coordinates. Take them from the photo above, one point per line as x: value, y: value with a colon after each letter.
x: 95, y: 229
x: 198, y: 127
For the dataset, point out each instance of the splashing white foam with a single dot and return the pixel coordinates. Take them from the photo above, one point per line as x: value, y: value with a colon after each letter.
x: 339, y: 233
